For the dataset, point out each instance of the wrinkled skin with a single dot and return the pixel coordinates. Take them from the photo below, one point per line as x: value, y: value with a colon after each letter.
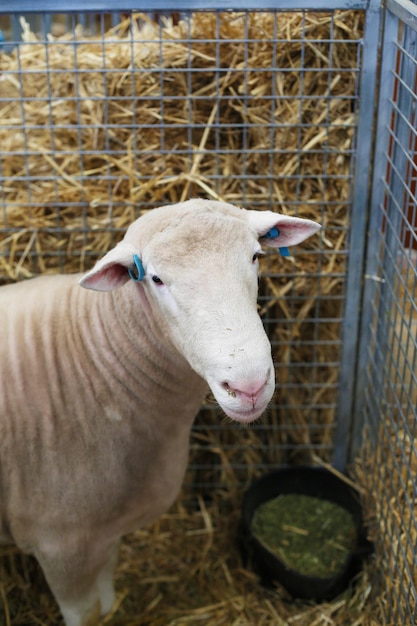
x: 100, y: 386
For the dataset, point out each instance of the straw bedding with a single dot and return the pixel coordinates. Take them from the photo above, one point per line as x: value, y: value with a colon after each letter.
x: 185, y: 569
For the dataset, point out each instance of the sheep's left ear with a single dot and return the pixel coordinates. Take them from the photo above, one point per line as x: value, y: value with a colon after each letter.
x: 280, y: 231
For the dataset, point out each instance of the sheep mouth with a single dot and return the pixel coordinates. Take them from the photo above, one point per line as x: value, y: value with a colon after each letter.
x: 239, y: 407
x: 245, y: 416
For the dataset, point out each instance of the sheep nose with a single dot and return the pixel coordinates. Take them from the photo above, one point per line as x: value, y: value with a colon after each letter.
x: 249, y: 391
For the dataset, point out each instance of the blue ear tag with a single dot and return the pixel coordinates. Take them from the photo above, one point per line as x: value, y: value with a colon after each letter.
x: 273, y: 233
x: 140, y: 270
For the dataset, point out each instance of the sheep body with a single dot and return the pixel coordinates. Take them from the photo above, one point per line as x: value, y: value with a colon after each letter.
x: 100, y: 386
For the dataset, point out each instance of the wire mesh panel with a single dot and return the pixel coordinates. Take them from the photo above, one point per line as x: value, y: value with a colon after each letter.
x: 256, y: 108
x: 388, y: 392
x: 259, y: 109
x: 100, y: 122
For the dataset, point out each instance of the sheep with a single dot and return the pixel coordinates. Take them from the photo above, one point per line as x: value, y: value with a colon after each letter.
x: 100, y: 386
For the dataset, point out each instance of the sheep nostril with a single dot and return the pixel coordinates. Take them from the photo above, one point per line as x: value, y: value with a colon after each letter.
x: 229, y: 390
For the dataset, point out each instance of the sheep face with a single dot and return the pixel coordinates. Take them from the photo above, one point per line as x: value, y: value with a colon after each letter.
x: 198, y: 266
x: 201, y: 278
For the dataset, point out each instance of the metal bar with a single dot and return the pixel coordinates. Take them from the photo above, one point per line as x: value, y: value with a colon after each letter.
x: 357, y: 234
x: 107, y: 6
x: 405, y: 10
x: 380, y: 164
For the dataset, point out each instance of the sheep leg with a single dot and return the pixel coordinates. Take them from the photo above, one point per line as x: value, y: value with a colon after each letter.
x: 105, y: 581
x: 80, y: 612
x: 82, y: 584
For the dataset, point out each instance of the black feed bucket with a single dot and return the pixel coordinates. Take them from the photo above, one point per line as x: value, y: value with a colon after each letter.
x: 307, y: 481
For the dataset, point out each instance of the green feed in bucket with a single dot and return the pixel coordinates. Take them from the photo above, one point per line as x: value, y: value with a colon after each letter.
x: 311, y: 536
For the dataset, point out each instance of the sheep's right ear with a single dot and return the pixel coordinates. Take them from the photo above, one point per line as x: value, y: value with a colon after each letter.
x: 112, y: 271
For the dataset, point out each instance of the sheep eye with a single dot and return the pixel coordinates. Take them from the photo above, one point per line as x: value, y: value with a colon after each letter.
x: 157, y: 280
x: 255, y: 257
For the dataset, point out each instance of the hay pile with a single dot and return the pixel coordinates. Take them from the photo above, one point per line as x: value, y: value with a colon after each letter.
x: 91, y: 140
x: 84, y: 152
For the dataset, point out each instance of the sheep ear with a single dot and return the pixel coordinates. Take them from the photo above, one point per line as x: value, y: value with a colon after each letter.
x: 112, y: 271
x: 280, y: 231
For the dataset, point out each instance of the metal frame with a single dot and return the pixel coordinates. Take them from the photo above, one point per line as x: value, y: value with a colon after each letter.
x: 357, y: 236
x: 100, y: 6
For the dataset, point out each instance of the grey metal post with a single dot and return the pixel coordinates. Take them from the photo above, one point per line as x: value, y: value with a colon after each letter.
x: 371, y: 278
x: 357, y: 234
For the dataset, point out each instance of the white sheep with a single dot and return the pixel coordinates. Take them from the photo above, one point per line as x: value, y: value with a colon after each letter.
x: 99, y: 390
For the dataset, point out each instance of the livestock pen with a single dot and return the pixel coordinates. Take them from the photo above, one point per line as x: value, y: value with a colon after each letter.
x: 305, y: 108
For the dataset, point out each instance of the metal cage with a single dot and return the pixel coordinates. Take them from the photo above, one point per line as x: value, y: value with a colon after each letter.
x: 341, y: 314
